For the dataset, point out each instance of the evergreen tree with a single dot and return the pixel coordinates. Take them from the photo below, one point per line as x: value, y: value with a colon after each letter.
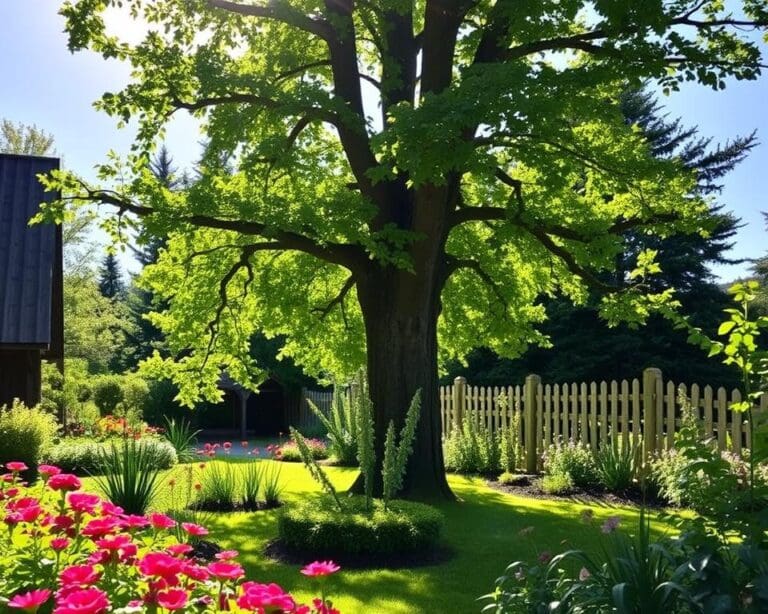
x: 584, y: 347
x: 111, y: 284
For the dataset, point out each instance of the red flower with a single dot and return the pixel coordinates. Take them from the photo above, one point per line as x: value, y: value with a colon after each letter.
x: 30, y: 514
x: 79, y: 575
x: 227, y: 445
x: 265, y: 598
x: 244, y: 443
x: 320, y: 568
x: 226, y: 555
x: 83, y: 502
x: 99, y: 527
x: 195, y: 572
x: 179, y: 549
x: 29, y: 602
x: 161, y: 521
x: 194, y: 529
x: 87, y: 601
x: 224, y: 570
x: 48, y: 470
x: 173, y: 599
x: 110, y: 509
x: 132, y: 521
x: 16, y: 466
x: 59, y: 543
x: 65, y: 482
x: 161, y: 565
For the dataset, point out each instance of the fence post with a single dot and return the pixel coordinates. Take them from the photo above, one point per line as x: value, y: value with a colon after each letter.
x: 651, y: 376
x: 459, y: 394
x: 529, y: 404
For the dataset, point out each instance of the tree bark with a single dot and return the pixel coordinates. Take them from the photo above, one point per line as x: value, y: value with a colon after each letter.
x: 400, y: 310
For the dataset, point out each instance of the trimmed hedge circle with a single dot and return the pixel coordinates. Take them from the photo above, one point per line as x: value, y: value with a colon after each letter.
x: 316, y: 525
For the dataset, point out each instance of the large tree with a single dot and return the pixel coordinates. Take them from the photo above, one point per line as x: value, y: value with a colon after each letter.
x: 19, y: 138
x: 378, y: 174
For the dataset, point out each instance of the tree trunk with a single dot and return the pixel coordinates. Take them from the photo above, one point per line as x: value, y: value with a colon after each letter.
x: 400, y: 311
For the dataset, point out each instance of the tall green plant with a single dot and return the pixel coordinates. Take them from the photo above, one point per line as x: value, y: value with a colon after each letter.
x: 396, y: 455
x: 314, y: 469
x: 341, y: 425
x: 130, y: 476
x: 366, y: 454
x: 181, y: 436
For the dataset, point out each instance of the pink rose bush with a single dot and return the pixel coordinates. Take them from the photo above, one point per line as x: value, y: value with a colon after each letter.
x: 65, y: 551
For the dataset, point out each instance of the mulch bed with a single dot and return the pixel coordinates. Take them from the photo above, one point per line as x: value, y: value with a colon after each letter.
x: 278, y: 551
x: 528, y: 486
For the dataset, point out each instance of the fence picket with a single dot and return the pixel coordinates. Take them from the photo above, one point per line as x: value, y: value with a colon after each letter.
x: 722, y: 405
x: 625, y: 412
x: 708, y: 411
x: 637, y: 402
x: 603, y: 437
x: 670, y: 421
x: 736, y: 424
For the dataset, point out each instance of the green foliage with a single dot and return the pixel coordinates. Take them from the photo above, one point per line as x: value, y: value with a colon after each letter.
x: 218, y: 487
x: 272, y: 486
x: 315, y: 525
x: 252, y: 479
x: 26, y: 140
x: 315, y: 470
x: 181, y: 436
x: 474, y: 449
x: 366, y: 453
x: 26, y: 434
x: 341, y: 425
x: 108, y: 393
x: 556, y: 483
x: 573, y: 459
x: 82, y: 456
x: 69, y: 394
x: 396, y: 454
x: 130, y: 475
x: 511, y: 450
x: 615, y: 465
x: 289, y: 451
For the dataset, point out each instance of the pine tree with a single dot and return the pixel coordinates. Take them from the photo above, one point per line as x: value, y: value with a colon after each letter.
x: 111, y: 284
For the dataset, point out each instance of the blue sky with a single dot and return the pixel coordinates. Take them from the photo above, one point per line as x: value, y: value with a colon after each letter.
x: 42, y: 83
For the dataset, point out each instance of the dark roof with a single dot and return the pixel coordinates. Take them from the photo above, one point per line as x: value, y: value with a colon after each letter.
x: 30, y: 257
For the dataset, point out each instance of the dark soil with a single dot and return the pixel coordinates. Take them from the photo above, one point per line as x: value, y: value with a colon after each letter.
x: 260, y: 506
x: 278, y: 551
x: 528, y: 486
x: 205, y: 550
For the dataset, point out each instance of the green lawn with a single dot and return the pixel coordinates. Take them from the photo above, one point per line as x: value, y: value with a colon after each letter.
x: 482, y: 529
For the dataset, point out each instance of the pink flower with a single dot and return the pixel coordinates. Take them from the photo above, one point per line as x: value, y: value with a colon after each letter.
x: 195, y: 572
x: 133, y: 521
x: 110, y: 509
x: 265, y: 598
x: 48, y: 470
x: 16, y: 466
x: 161, y: 521
x: 226, y: 555
x: 79, y: 575
x: 179, y: 549
x: 244, y: 443
x: 31, y: 601
x: 87, y: 601
x: 59, y: 543
x: 194, y: 529
x: 584, y: 574
x: 224, y: 570
x: 610, y: 525
x: 99, y: 527
x: 82, y: 502
x: 227, y: 445
x: 173, y: 599
x: 322, y: 607
x: 65, y: 482
x: 320, y: 568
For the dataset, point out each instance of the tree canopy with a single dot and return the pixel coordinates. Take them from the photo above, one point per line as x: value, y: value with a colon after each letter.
x: 378, y: 174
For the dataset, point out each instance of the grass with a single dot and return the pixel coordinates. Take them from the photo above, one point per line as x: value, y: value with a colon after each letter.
x: 482, y: 528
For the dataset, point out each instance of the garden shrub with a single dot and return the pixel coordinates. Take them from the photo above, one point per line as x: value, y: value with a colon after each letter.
x: 342, y: 422
x: 129, y: 475
x: 473, y: 449
x: 181, y: 436
x: 218, y: 487
x: 615, y: 465
x: 572, y: 459
x: 556, y: 483
x: 108, y: 393
x: 81, y: 455
x: 289, y: 452
x: 316, y: 525
x: 26, y: 434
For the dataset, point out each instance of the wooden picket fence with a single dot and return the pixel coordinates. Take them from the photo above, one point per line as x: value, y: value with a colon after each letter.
x: 643, y: 412
x: 306, y: 417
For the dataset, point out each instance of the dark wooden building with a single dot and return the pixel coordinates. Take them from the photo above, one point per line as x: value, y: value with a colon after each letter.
x: 31, y: 297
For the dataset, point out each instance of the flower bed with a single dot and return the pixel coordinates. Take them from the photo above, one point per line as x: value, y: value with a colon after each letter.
x: 72, y: 552
x: 289, y: 452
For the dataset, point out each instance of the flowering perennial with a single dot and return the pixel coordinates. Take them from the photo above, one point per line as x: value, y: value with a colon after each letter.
x: 69, y: 552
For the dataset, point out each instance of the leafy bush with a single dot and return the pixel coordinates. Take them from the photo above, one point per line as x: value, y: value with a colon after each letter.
x: 109, y: 562
x: 135, y: 394
x: 289, y: 452
x: 316, y: 525
x: 474, y: 449
x: 181, y: 436
x: 82, y: 456
x: 108, y: 393
x: 556, y: 483
x: 572, y: 459
x: 26, y: 434
x: 218, y: 487
x: 130, y: 475
x: 615, y: 466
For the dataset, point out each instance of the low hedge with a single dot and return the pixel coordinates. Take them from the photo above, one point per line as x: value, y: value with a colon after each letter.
x: 82, y: 456
x: 289, y: 451
x: 317, y: 526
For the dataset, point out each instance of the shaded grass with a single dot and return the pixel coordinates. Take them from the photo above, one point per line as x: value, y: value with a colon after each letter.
x: 482, y: 528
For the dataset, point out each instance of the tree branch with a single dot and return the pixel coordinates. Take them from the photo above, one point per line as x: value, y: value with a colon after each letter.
x: 337, y: 300
x: 278, y: 11
x: 454, y: 264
